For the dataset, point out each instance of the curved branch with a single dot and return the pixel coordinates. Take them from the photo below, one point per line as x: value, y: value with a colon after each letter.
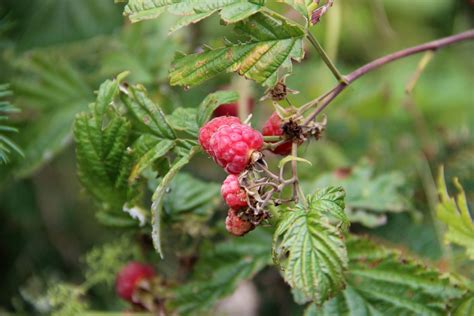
x: 356, y: 74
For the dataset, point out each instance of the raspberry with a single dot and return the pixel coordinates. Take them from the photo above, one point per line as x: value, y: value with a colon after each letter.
x: 235, y: 225
x: 210, y: 127
x: 273, y: 127
x: 231, y: 109
x: 234, y: 196
x: 232, y: 145
x: 130, y: 276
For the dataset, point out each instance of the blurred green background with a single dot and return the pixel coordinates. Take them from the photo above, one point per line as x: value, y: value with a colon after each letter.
x: 55, y: 53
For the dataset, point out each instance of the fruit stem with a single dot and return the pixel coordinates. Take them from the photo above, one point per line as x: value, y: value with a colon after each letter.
x: 298, y: 195
x: 327, y: 60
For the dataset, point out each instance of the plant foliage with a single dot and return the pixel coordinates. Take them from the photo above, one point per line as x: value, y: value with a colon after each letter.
x: 7, y: 146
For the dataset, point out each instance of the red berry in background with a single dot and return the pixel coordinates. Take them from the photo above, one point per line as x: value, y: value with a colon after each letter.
x: 210, y: 127
x: 273, y: 127
x: 233, y: 195
x: 232, y: 109
x: 235, y: 225
x: 130, y: 276
x: 232, y: 145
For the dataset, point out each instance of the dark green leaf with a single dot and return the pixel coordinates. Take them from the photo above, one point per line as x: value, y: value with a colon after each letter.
x: 184, y: 119
x: 212, y: 102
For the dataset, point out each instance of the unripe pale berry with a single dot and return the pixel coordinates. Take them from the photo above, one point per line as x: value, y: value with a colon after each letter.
x: 129, y: 277
x: 273, y: 127
x: 231, y: 146
x: 235, y: 225
x: 233, y: 195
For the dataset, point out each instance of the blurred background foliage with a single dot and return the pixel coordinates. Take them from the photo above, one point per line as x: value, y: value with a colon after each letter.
x: 380, y: 142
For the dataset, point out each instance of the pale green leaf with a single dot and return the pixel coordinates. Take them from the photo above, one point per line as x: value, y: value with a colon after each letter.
x: 466, y: 307
x: 184, y: 120
x: 311, y: 253
x: 369, y: 197
x: 220, y: 269
x: 330, y: 202
x: 290, y: 158
x: 192, y: 11
x: 212, y: 102
x: 267, y: 55
x: 455, y: 214
x: 304, y: 7
x: 160, y: 149
x: 146, y: 114
x: 382, y: 282
x: 159, y: 194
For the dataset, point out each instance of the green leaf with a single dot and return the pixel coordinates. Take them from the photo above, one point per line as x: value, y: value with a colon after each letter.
x: 455, y: 214
x: 212, y: 102
x: 7, y: 146
x: 381, y: 282
x: 369, y: 197
x: 187, y: 195
x: 159, y: 194
x: 330, y: 202
x: 220, y: 269
x: 160, y: 149
x: 304, y: 7
x: 146, y: 114
x: 267, y: 55
x: 313, y: 251
x: 102, y: 142
x: 184, y: 120
x: 192, y: 11
x: 466, y: 307
x: 290, y: 158
x: 57, y: 91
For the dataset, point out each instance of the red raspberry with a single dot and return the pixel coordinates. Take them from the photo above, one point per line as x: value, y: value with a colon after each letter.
x: 233, y: 195
x: 232, y: 145
x: 213, y: 125
x: 235, y: 225
x: 130, y: 276
x: 273, y: 127
x: 232, y: 109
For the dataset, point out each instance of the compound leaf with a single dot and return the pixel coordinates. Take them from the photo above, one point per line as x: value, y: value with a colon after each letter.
x: 381, y: 282
x: 313, y: 251
x: 273, y: 44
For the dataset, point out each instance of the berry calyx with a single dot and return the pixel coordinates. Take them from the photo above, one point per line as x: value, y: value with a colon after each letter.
x: 236, y: 225
x: 206, y: 132
x: 233, y: 195
x: 129, y: 278
x: 274, y: 127
x: 231, y: 146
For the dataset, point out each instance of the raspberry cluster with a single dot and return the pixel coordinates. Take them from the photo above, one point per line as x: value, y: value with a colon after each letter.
x: 231, y: 144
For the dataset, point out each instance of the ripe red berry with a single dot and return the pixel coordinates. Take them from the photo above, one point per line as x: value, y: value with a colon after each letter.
x: 232, y: 109
x: 210, y: 127
x: 235, y: 225
x: 233, y: 195
x: 232, y: 145
x: 273, y: 127
x: 130, y: 276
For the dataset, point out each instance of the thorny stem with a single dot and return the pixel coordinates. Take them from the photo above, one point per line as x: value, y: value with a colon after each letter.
x: 326, y: 58
x: 356, y: 74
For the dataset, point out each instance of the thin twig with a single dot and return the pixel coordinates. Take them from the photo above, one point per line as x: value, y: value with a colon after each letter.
x: 353, y: 76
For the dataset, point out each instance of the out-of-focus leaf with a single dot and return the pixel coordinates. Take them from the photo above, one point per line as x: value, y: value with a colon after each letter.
x: 310, y: 251
x: 381, y: 282
x: 466, y: 307
x: 7, y: 146
x: 267, y: 56
x: 58, y: 91
x: 455, y: 214
x: 368, y: 198
x: 304, y: 7
x: 187, y: 194
x: 192, y: 11
x: 220, y: 270
x: 212, y: 102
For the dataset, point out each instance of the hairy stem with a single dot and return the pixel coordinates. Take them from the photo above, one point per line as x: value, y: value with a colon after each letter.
x: 326, y: 58
x: 353, y: 76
